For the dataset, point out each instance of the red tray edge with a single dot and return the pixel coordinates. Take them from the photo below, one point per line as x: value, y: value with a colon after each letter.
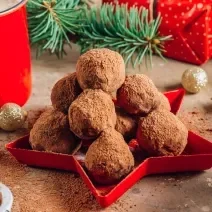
x: 127, y: 182
x: 137, y: 174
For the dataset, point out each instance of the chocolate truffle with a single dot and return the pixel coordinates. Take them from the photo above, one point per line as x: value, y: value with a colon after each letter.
x: 162, y: 133
x: 51, y: 133
x: 101, y: 69
x: 138, y: 95
x: 109, y: 159
x: 64, y: 92
x: 91, y: 113
x: 126, y: 124
x: 164, y: 102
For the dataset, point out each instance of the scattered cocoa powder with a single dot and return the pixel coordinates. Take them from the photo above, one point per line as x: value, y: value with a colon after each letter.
x: 198, y: 121
x: 51, y: 133
x: 162, y: 133
x: 194, y: 112
x: 44, y: 190
x: 101, y: 69
x: 138, y: 94
x: 209, y: 130
x: 108, y: 159
x: 64, y: 92
x: 91, y: 113
x: 164, y: 102
x: 49, y: 190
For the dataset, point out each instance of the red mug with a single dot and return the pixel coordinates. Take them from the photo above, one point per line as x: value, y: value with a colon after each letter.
x: 15, y: 61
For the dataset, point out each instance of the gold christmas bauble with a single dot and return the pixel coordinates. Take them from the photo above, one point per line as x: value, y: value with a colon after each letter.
x: 12, y: 117
x: 194, y: 79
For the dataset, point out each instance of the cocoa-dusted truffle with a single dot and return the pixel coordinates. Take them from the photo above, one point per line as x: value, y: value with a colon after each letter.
x: 126, y: 124
x: 64, y: 92
x: 164, y: 102
x: 51, y: 133
x: 162, y: 133
x: 109, y: 159
x: 91, y: 113
x: 101, y: 69
x: 138, y: 94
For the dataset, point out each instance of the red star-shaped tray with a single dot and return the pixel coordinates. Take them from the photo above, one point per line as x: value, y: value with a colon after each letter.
x: 196, y: 157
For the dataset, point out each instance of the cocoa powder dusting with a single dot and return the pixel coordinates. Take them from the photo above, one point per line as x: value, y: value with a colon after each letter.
x: 64, y: 92
x: 101, y: 69
x: 162, y: 133
x: 198, y: 121
x: 209, y: 130
x: 50, y: 191
x: 108, y: 159
x: 164, y: 102
x: 91, y: 113
x: 138, y: 94
x: 51, y: 133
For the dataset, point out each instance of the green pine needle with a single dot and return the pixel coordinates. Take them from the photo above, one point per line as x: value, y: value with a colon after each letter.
x: 127, y: 31
x: 51, y: 21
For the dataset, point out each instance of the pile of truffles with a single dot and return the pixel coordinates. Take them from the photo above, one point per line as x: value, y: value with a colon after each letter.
x: 83, y: 109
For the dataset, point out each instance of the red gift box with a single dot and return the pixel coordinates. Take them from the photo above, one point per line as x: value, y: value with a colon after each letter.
x: 188, y: 21
x: 196, y: 157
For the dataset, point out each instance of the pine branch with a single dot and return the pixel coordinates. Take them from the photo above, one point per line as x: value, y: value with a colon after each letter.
x: 50, y: 22
x: 127, y: 31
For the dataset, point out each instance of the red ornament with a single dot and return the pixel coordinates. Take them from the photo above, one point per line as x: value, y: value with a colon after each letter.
x: 188, y: 21
x: 15, y: 65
